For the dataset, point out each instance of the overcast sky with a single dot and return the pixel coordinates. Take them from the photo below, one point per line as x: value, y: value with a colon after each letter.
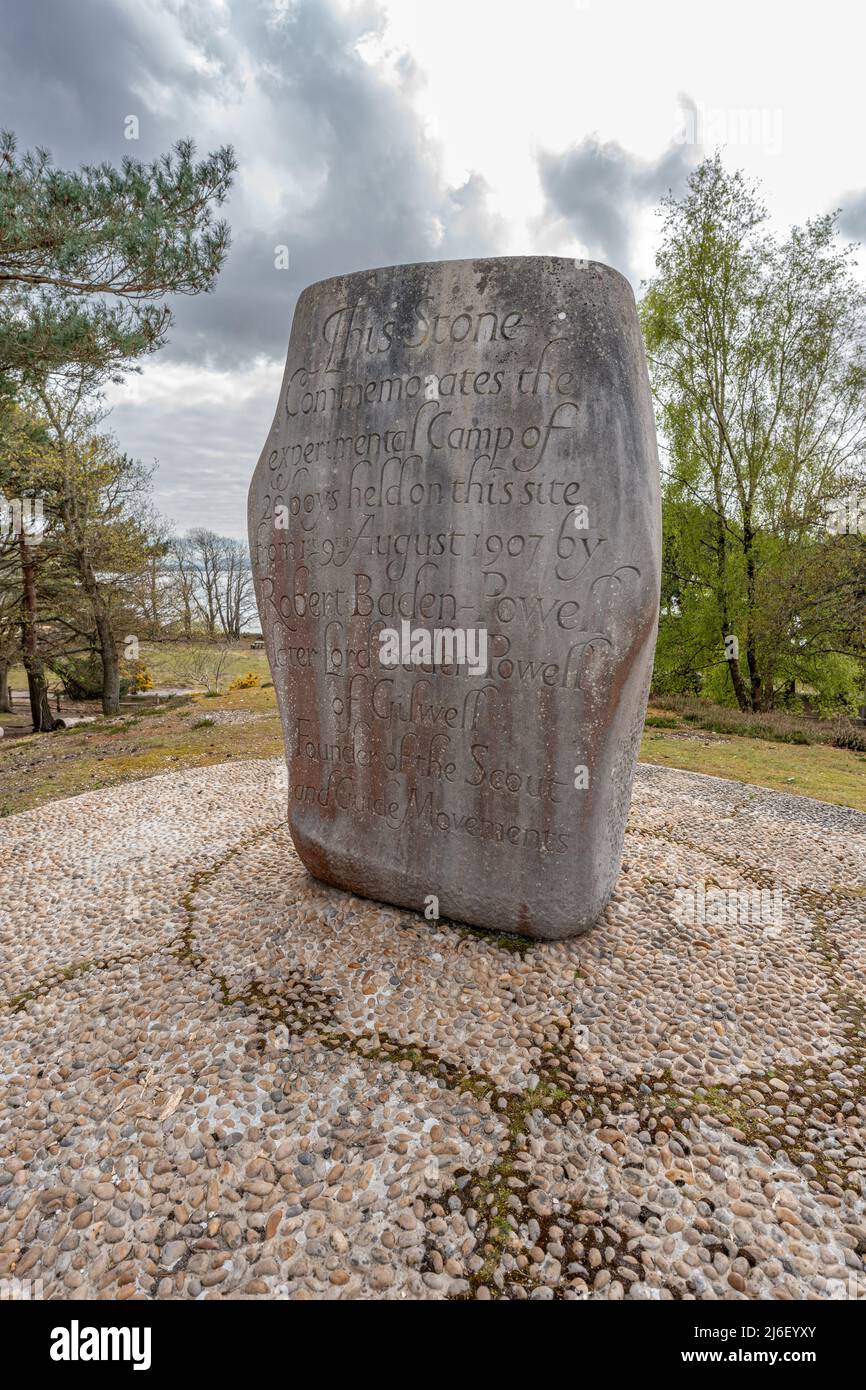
x: 405, y: 130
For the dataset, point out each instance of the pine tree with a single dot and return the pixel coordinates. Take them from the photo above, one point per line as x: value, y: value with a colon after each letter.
x: 88, y: 256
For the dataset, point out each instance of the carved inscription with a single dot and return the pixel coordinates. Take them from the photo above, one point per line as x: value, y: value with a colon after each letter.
x: 447, y: 582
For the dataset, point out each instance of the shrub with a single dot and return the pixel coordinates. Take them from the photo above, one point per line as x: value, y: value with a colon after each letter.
x: 245, y: 682
x: 141, y: 679
x: 775, y: 725
x: 847, y: 735
x: 81, y: 677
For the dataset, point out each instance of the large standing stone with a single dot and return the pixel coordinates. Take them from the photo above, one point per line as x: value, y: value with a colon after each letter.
x: 463, y: 452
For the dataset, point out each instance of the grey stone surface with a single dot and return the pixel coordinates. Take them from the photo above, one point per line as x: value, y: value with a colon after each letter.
x: 466, y: 448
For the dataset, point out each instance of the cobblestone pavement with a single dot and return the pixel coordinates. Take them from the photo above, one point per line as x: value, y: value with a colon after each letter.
x: 222, y: 1079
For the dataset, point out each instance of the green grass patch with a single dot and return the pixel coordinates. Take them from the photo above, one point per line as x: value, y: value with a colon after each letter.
x: 829, y: 774
x: 40, y: 768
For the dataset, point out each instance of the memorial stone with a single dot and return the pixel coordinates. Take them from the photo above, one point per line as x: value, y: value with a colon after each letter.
x: 455, y: 535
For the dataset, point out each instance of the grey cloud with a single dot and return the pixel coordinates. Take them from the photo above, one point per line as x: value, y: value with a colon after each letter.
x: 353, y: 180
x: 206, y: 452
x: 470, y: 228
x: 334, y: 164
x: 377, y: 196
x: 852, y: 218
x: 71, y: 74
x: 596, y: 189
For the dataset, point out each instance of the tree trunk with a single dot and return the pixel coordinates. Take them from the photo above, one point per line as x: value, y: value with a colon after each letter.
x: 740, y: 688
x: 755, y: 675
x: 108, y: 652
x: 40, y: 709
x: 734, y: 670
x: 5, y: 698
x: 154, y: 599
x: 110, y: 665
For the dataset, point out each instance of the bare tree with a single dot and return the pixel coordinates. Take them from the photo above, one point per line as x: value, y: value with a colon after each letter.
x: 205, y: 556
x: 181, y: 580
x: 236, y: 589
x: 204, y: 665
x: 223, y: 593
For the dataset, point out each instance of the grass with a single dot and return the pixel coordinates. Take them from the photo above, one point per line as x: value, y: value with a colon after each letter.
x: 46, y: 767
x: 186, y: 732
x: 837, y: 775
x: 174, y: 663
x: 170, y: 662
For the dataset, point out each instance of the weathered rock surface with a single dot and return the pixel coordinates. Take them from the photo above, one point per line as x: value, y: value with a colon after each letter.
x: 455, y: 533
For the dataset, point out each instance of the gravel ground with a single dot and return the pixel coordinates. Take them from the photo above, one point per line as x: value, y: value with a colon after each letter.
x: 224, y: 1080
